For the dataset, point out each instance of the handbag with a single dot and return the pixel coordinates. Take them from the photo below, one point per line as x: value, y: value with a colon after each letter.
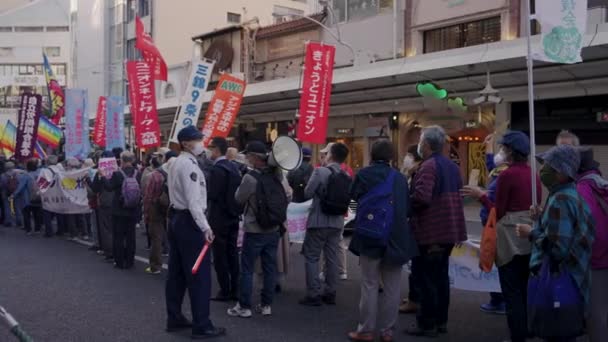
x: 487, y: 249
x: 555, y: 305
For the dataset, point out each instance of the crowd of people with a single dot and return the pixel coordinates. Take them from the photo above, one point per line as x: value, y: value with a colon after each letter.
x: 197, y: 198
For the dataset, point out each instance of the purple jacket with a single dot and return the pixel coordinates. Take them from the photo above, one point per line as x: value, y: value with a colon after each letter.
x: 588, y: 183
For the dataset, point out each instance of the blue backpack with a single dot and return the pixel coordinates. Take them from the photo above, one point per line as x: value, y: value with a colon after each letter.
x: 375, y: 211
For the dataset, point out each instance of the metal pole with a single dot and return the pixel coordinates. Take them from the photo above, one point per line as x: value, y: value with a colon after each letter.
x: 395, y: 29
x: 531, y: 104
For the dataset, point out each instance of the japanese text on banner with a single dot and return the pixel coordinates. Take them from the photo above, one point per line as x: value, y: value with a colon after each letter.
x: 115, y: 122
x: 99, y: 133
x: 223, y: 108
x: 27, y: 129
x: 76, y: 124
x: 192, y: 101
x: 316, y: 92
x: 143, y: 104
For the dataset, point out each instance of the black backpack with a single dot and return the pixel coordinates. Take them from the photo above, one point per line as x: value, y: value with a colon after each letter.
x: 234, y: 179
x: 336, y: 198
x: 298, y: 180
x: 271, y: 200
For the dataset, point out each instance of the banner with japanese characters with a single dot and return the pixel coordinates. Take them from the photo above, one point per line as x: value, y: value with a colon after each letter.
x: 64, y: 192
x: 316, y: 92
x: 223, y: 108
x: 27, y: 126
x: 107, y: 166
x: 99, y: 132
x: 143, y: 104
x: 563, y: 25
x: 192, y: 101
x: 115, y: 122
x: 149, y: 51
x: 77, y: 142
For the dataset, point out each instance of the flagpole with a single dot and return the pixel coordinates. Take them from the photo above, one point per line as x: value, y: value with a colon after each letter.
x: 531, y: 113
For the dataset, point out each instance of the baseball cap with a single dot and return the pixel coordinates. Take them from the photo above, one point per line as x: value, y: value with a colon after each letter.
x: 256, y: 147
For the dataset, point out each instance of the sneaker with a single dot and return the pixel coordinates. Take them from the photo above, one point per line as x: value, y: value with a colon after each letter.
x: 238, y: 311
x: 100, y: 252
x: 264, y: 310
x: 311, y: 301
x: 150, y: 270
x: 360, y: 337
x: 343, y: 276
x: 322, y: 276
x: 416, y: 330
x: 490, y: 308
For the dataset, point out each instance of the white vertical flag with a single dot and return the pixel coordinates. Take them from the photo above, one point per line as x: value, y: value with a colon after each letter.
x: 563, y: 24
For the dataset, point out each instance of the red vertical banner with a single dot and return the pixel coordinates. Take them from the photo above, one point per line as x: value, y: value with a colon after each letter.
x: 99, y: 132
x: 149, y: 51
x: 316, y: 92
x: 142, y: 97
x: 223, y: 107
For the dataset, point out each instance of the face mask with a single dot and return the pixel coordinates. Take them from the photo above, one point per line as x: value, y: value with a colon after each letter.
x: 499, y: 158
x: 197, y: 149
x: 408, y: 162
x: 548, y: 176
x: 419, y: 150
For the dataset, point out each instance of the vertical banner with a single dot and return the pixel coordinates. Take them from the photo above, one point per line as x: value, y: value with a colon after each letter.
x: 27, y: 126
x: 99, y: 132
x: 563, y: 25
x: 145, y: 44
x: 192, y: 101
x: 56, y: 96
x: 223, y: 108
x: 316, y: 92
x: 115, y: 122
x: 77, y: 142
x: 143, y: 104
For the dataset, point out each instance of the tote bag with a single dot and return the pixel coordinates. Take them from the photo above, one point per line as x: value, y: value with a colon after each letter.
x: 487, y: 250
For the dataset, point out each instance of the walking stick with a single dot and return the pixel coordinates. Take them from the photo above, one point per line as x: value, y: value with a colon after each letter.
x: 14, y: 326
x: 200, y: 258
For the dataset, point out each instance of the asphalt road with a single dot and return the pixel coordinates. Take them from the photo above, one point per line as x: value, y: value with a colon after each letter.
x: 61, y: 291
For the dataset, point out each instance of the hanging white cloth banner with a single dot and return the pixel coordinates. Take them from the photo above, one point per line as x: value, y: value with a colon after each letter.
x: 563, y: 24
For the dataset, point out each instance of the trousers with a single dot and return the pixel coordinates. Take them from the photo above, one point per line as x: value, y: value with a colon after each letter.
x: 256, y: 245
x: 123, y: 235
x: 514, y: 283
x: 226, y: 259
x: 317, y: 240
x: 434, y: 285
x: 32, y: 212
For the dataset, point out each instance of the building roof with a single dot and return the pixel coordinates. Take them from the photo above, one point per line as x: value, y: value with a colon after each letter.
x: 217, y: 32
x: 300, y: 24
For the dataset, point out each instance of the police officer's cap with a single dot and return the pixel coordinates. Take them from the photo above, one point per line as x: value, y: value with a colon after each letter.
x: 189, y: 133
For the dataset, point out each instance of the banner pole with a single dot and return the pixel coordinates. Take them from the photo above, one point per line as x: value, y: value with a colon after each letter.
x: 531, y: 113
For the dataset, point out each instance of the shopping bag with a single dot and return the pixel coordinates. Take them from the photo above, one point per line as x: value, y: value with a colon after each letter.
x: 487, y: 249
x: 555, y: 304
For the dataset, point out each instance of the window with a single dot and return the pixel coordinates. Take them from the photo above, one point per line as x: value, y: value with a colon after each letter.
x: 169, y: 91
x: 132, y: 53
x: 6, y: 29
x: 233, y: 18
x: 6, y: 52
x: 144, y: 8
x: 282, y: 13
x: 52, y: 51
x: 29, y: 29
x: 131, y: 10
x: 347, y: 10
x: 59, y: 69
x: 462, y: 35
x: 57, y: 28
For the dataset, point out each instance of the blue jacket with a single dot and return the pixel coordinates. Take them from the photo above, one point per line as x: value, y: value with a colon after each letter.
x: 401, y: 245
x: 22, y: 194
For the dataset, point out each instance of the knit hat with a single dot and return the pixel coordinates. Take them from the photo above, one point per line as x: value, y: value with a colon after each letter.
x: 565, y: 159
x: 588, y: 162
x: 517, y: 141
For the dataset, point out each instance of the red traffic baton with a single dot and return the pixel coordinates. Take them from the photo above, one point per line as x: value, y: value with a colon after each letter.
x: 200, y: 258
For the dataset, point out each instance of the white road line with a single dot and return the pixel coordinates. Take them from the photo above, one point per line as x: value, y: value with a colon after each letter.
x: 137, y: 257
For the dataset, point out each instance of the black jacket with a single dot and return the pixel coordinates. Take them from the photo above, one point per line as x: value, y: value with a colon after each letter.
x: 298, y: 179
x: 401, y: 245
x: 222, y: 182
x: 114, y: 184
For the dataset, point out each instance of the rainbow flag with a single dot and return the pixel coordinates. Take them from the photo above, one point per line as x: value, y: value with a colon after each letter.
x: 56, y: 95
x: 49, y: 133
x: 7, y: 143
x: 39, y: 151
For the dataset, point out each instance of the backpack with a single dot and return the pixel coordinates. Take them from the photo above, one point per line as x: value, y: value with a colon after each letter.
x: 130, y: 194
x: 336, y: 198
x: 271, y: 200
x: 163, y: 200
x: 233, y: 209
x: 298, y: 180
x: 12, y: 182
x: 375, y: 211
x: 34, y: 190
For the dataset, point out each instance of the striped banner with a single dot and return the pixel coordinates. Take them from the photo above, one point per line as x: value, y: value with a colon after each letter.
x: 49, y: 133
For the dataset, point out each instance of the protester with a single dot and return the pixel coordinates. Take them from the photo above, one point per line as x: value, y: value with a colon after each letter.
x: 237, y: 159
x: 594, y: 190
x: 153, y: 162
x: 189, y: 230
x: 324, y: 230
x: 565, y: 231
x: 92, y: 218
x: 567, y: 138
x: 125, y: 210
x: 299, y: 177
x: 75, y: 222
x: 438, y: 224
x: 263, y: 219
x: 223, y: 215
x: 323, y: 155
x: 13, y: 202
x: 411, y: 162
x: 496, y: 163
x: 381, y: 259
x: 53, y: 166
x: 33, y: 208
x: 513, y: 202
x: 105, y: 199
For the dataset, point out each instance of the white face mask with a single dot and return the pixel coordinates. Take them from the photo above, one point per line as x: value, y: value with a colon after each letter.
x: 197, y: 149
x: 408, y: 162
x: 419, y: 150
x: 499, y: 158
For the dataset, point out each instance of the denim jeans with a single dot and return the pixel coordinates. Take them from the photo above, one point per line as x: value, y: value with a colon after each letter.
x: 256, y: 245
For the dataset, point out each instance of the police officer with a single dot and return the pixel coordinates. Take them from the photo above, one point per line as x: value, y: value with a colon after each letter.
x: 188, y: 232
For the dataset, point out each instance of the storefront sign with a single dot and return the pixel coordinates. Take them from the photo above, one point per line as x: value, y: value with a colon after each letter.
x: 316, y: 92
x: 27, y: 126
x: 76, y: 124
x: 223, y: 108
x: 99, y: 132
x: 344, y: 131
x: 143, y: 104
x: 192, y: 101
x: 563, y: 25
x: 115, y: 122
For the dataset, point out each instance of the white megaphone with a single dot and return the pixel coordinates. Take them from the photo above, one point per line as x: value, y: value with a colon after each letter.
x: 286, y: 154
